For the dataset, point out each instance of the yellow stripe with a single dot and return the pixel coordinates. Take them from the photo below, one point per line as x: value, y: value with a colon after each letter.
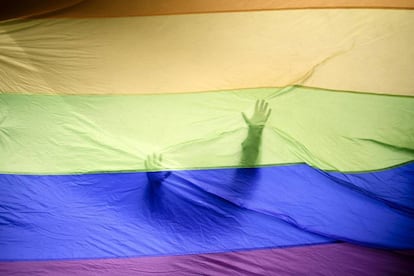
x: 358, y: 50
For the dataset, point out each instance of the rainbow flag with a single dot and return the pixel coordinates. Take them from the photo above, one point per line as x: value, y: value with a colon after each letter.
x: 207, y: 137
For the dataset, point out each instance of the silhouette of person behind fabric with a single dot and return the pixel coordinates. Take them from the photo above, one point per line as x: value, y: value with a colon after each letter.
x: 169, y: 205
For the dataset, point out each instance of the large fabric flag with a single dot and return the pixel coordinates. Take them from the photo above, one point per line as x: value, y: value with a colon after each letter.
x: 207, y: 137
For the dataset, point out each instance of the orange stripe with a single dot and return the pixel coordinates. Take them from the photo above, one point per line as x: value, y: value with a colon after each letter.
x: 120, y: 8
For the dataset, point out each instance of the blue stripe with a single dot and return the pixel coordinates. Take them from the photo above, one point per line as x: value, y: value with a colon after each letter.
x: 200, y: 211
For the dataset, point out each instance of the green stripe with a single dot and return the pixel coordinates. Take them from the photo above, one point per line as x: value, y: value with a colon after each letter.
x: 339, y: 131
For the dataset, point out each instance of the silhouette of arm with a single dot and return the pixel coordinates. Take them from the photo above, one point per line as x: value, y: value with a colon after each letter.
x: 153, y: 166
x: 256, y: 123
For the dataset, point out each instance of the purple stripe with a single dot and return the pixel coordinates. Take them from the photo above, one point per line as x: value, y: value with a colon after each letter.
x: 329, y: 259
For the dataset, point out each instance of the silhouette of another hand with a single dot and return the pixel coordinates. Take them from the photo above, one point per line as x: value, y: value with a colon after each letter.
x: 260, y: 115
x: 153, y: 165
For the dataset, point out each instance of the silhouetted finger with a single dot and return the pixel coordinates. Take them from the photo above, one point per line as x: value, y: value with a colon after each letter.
x: 268, y: 113
x: 245, y: 118
x: 266, y: 107
x: 262, y: 103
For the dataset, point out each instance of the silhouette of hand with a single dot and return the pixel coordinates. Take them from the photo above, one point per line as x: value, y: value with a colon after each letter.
x: 153, y: 164
x: 260, y: 116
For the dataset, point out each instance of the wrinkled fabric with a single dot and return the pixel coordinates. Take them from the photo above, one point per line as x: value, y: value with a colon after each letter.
x: 366, y: 50
x: 330, y: 130
x: 112, y: 161
x: 199, y: 211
